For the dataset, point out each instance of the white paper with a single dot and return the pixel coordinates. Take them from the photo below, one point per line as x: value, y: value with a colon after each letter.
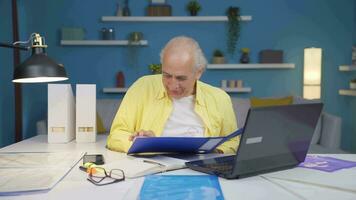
x: 210, y: 144
x: 28, y: 172
x: 138, y: 167
x: 343, y: 180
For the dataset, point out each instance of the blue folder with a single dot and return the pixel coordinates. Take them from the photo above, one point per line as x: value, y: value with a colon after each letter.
x: 181, y: 187
x: 178, y: 144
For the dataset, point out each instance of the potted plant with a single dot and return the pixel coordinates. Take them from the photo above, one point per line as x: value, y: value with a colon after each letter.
x: 353, y: 84
x: 155, y: 68
x: 193, y: 7
x: 245, y: 58
x: 134, y: 41
x: 218, y: 57
x: 135, y: 37
x: 233, y: 28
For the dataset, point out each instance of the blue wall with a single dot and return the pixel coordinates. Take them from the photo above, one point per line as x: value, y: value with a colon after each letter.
x: 277, y: 24
x: 6, y: 67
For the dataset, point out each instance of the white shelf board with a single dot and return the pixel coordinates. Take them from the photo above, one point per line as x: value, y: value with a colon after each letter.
x: 115, y: 90
x: 102, y: 42
x: 123, y: 90
x: 347, y: 92
x: 253, y: 66
x: 237, y: 90
x: 347, y: 68
x: 171, y: 19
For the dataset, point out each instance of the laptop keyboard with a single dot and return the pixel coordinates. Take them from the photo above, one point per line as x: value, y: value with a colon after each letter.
x: 223, y: 164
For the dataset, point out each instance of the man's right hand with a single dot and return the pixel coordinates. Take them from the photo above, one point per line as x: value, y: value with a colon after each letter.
x: 141, y: 133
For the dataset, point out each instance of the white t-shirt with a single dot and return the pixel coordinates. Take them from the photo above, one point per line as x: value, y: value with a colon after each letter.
x: 183, y: 121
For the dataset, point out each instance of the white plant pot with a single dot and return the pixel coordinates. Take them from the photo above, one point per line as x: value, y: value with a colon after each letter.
x: 353, y: 85
x: 218, y: 60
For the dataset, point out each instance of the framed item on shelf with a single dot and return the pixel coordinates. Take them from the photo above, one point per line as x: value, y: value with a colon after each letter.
x: 157, y: 1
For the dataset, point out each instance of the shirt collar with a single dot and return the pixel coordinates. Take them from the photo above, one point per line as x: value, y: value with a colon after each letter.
x: 162, y: 93
x: 199, y: 94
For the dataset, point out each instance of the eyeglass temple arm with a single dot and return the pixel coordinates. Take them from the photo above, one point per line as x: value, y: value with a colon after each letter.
x: 14, y: 46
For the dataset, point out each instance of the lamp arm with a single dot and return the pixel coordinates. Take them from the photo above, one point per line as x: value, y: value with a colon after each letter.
x: 14, y: 46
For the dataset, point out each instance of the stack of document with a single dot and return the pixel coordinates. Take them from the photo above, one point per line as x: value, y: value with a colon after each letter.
x: 34, y: 171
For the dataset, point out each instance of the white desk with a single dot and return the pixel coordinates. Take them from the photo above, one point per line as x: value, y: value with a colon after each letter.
x: 75, y: 185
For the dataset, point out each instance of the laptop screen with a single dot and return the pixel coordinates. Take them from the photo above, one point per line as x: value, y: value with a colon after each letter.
x: 276, y: 137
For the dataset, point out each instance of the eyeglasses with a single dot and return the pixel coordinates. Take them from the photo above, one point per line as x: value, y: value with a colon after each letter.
x: 98, y: 176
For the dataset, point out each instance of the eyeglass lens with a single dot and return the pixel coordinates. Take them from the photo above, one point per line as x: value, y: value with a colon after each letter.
x: 100, y: 177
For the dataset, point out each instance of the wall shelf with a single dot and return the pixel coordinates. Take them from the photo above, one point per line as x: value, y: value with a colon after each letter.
x: 103, y: 42
x: 252, y: 66
x: 171, y: 19
x: 229, y: 90
x: 345, y: 68
x: 237, y: 90
x: 114, y: 90
x: 347, y: 92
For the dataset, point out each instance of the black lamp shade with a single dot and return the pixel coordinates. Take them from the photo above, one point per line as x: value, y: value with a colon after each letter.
x: 39, y: 68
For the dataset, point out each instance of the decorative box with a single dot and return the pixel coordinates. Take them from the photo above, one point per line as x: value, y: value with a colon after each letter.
x: 72, y: 33
x: 159, y: 10
x: 271, y: 56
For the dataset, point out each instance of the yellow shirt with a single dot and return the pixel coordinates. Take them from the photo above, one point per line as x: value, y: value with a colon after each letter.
x: 146, y: 106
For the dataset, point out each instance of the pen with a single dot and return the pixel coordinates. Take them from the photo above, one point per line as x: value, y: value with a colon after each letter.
x: 154, y: 162
x: 86, y: 166
x: 83, y: 168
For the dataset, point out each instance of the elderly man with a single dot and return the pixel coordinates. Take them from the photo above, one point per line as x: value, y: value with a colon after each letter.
x: 174, y: 103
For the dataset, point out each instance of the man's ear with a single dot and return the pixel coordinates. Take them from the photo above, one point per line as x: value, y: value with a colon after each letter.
x: 198, y: 73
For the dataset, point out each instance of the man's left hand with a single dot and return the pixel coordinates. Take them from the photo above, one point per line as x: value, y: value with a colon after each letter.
x: 141, y: 133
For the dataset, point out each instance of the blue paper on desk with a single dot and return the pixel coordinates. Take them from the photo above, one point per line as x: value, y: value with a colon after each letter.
x: 176, y: 187
x: 178, y: 144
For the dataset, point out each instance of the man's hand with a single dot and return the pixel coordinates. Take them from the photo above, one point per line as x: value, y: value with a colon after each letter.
x: 218, y: 151
x: 142, y: 133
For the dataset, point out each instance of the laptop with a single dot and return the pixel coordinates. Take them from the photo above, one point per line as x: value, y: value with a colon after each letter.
x: 274, y: 138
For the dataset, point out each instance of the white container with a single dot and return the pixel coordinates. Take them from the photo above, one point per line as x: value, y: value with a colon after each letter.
x: 85, y: 113
x: 224, y: 83
x: 353, y: 85
x: 61, y: 116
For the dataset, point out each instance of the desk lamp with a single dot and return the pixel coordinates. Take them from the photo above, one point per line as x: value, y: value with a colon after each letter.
x: 38, y: 68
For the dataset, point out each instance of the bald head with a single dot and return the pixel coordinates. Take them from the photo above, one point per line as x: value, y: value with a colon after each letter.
x: 183, y: 63
x: 185, y: 48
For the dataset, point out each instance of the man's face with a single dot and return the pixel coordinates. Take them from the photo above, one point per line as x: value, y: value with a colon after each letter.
x: 178, y: 74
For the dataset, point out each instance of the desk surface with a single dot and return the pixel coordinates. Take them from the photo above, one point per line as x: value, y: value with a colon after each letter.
x: 75, y: 185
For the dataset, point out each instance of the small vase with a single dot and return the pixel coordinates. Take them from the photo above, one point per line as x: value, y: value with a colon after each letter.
x: 118, y: 10
x: 126, y: 10
x: 120, y: 80
x: 244, y: 58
